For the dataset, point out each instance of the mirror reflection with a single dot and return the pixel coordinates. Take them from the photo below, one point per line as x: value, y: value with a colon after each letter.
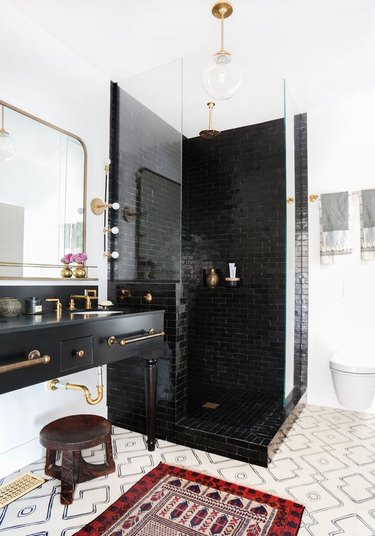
x: 41, y: 196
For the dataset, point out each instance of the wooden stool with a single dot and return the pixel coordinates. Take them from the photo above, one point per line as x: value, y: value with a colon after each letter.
x: 70, y: 435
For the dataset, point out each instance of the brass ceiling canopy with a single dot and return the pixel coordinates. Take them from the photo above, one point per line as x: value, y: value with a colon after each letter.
x: 210, y: 132
x: 222, y: 10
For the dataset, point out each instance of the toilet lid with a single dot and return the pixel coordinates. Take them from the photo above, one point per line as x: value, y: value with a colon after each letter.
x: 353, y: 364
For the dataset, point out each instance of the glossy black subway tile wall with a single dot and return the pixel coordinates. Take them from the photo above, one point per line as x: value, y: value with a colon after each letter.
x: 145, y: 156
x: 236, y: 213
x: 302, y: 255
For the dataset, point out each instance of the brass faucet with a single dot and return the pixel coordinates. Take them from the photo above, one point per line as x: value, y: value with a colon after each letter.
x: 88, y: 296
x: 58, y: 305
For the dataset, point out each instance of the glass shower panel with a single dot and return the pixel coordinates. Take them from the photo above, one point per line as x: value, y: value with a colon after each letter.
x: 291, y: 115
x: 149, y: 172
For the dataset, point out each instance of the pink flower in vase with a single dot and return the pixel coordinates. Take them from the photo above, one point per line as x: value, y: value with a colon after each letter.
x: 79, y: 258
x: 67, y: 258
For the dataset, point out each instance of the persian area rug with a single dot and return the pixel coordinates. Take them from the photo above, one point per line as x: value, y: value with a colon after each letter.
x: 170, y: 501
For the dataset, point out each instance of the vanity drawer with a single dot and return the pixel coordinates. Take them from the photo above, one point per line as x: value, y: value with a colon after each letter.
x: 76, y: 353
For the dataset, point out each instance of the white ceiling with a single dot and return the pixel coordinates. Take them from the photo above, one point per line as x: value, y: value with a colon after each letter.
x: 324, y: 48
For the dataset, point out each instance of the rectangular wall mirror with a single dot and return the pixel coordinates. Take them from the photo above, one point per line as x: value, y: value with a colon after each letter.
x: 42, y: 195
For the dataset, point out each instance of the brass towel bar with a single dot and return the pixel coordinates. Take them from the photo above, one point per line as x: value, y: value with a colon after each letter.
x: 34, y: 358
x: 112, y: 341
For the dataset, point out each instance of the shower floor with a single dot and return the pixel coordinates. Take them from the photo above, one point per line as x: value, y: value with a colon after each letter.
x: 238, y: 423
x: 237, y: 408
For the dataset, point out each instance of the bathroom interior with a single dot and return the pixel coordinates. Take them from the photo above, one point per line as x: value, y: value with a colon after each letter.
x: 241, y: 358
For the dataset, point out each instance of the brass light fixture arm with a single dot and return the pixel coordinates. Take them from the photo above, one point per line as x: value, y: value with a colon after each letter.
x: 55, y: 384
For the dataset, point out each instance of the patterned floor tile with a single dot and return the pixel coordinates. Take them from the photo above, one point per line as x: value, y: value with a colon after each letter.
x: 327, y: 462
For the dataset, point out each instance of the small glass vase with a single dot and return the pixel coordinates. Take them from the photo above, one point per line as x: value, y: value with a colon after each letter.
x: 80, y: 271
x: 66, y: 271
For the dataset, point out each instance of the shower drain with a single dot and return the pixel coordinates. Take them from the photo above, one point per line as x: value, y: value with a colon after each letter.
x: 14, y: 489
x: 210, y: 405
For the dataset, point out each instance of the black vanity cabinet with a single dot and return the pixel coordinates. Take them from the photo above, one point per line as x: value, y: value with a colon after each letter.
x: 32, y: 353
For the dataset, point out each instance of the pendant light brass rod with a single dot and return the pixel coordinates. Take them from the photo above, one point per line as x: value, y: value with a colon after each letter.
x: 210, y: 106
x: 222, y: 10
x: 222, y: 31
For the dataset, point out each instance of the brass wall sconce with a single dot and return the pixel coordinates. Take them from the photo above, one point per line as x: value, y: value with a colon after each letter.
x: 113, y: 254
x: 113, y: 230
x: 98, y: 206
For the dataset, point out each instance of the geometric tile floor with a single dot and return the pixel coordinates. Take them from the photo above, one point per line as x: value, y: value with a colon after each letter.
x: 327, y: 463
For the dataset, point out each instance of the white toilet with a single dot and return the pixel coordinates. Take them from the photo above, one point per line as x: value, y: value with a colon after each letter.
x: 353, y: 380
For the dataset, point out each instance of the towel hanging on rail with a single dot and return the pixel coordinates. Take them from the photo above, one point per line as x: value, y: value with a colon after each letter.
x: 335, y: 223
x: 367, y: 207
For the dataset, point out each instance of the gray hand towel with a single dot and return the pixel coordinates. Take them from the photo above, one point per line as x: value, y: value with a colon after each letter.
x: 335, y: 226
x: 367, y: 203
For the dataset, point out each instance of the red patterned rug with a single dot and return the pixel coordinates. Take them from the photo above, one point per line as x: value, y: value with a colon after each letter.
x: 169, y: 501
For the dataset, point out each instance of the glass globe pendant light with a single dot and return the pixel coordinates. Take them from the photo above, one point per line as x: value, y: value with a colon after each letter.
x: 7, y: 144
x: 222, y: 78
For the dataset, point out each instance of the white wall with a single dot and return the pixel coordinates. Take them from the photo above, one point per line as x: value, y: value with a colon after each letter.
x: 39, y: 75
x: 341, y: 156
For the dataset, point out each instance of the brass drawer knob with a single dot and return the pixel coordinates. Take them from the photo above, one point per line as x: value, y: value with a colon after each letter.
x: 79, y: 353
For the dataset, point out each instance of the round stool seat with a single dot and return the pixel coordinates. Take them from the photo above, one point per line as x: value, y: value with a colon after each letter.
x: 70, y: 435
x: 75, y: 432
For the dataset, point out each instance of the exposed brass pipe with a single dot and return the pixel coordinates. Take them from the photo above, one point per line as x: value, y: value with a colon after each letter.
x: 55, y: 384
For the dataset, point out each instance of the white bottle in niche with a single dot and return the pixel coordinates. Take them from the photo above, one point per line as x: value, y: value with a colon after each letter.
x: 232, y: 280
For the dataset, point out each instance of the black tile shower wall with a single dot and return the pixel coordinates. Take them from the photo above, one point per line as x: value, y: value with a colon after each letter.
x: 158, y: 228
x: 139, y: 139
x: 302, y: 254
x: 236, y: 213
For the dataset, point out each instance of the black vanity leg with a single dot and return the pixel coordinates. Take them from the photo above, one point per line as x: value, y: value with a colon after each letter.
x: 150, y: 385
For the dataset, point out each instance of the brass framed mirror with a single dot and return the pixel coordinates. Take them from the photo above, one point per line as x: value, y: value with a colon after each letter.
x: 42, y: 195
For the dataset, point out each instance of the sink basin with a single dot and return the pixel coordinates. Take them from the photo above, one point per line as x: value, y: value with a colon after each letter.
x: 95, y: 313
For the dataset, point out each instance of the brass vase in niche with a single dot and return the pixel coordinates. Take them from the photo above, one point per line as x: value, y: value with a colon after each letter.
x: 66, y: 271
x: 79, y: 272
x: 212, y: 279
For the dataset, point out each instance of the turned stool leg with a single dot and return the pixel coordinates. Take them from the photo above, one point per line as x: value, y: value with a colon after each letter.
x: 50, y: 462
x: 69, y: 474
x: 109, y: 461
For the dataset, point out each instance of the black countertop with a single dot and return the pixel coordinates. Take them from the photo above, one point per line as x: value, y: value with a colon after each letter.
x: 30, y: 322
